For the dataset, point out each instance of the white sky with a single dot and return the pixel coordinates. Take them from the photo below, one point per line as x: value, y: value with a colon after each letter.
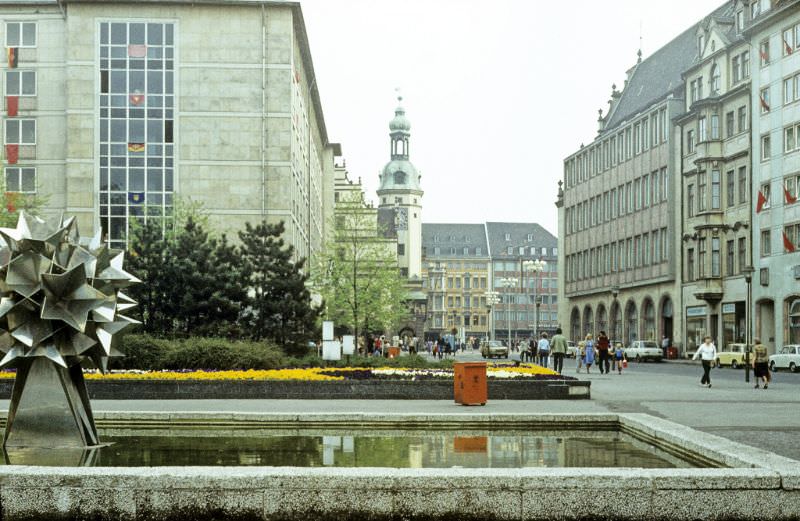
x: 498, y: 92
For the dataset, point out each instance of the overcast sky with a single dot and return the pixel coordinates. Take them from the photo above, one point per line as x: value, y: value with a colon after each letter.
x: 498, y: 92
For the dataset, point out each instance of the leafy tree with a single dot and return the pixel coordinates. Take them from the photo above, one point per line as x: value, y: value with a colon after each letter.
x: 279, y: 303
x: 357, y: 274
x: 12, y: 202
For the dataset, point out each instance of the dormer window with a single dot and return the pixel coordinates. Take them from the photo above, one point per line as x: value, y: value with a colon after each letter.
x: 701, y: 43
x: 530, y: 237
x: 740, y: 20
x: 508, y: 236
x: 399, y: 177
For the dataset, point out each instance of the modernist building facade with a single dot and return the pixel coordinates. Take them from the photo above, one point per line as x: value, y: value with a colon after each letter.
x: 775, y: 41
x: 462, y: 263
x: 121, y: 109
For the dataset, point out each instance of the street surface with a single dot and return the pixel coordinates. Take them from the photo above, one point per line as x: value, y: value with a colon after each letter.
x: 769, y: 419
x: 670, y: 389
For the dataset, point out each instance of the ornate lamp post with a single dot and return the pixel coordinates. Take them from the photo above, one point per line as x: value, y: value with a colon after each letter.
x: 492, y: 298
x: 535, y: 267
x: 509, y: 282
x: 748, y: 278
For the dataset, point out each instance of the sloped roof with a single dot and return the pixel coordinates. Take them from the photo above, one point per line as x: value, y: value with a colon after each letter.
x: 518, y: 237
x: 459, y: 236
x: 660, y: 74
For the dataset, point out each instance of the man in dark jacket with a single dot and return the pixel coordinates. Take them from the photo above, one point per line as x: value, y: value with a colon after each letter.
x: 603, y: 345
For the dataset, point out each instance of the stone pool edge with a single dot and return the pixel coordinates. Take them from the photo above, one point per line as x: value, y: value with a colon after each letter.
x: 763, y: 485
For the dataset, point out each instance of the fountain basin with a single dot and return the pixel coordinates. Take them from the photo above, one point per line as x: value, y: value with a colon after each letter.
x: 747, y: 484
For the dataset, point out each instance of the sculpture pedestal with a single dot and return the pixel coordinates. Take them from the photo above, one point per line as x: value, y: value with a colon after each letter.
x: 49, y: 407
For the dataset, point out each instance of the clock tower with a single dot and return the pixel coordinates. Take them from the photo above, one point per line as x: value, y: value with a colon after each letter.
x: 400, y: 196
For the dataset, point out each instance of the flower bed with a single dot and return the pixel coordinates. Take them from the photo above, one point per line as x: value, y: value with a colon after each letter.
x: 499, y: 372
x: 505, y: 382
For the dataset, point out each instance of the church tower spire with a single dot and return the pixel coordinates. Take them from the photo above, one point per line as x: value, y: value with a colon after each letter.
x: 400, y: 195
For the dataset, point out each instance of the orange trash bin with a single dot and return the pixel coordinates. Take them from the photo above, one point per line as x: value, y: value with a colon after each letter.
x: 469, y: 383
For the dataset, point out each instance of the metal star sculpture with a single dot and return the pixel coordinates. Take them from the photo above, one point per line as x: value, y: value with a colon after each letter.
x: 60, y: 300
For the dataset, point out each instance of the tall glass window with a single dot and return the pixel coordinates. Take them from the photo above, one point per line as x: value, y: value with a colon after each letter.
x: 137, y: 103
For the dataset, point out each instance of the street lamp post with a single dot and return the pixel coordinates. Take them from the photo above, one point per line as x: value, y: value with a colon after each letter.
x: 492, y: 298
x: 748, y: 278
x: 534, y: 266
x: 508, y: 282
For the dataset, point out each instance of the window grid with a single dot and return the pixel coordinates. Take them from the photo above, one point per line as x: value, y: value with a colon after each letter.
x: 136, y: 125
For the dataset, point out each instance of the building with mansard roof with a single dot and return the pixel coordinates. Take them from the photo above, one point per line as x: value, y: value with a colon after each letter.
x: 462, y: 262
x: 619, y: 221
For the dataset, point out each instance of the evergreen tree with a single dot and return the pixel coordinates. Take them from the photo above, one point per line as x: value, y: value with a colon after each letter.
x: 279, y: 304
x: 191, y: 280
x: 230, y: 289
x: 147, y: 260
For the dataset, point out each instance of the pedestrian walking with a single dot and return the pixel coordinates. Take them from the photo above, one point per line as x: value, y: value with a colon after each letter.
x: 603, y: 345
x: 534, y: 350
x: 619, y: 358
x: 707, y: 352
x: 558, y: 349
x: 588, y: 357
x: 580, y: 352
x: 761, y: 363
x: 544, y: 350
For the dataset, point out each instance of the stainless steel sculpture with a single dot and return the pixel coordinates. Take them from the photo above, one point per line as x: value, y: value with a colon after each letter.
x: 59, y: 305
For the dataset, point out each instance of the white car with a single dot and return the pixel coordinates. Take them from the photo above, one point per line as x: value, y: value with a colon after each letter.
x: 788, y: 358
x: 644, y: 350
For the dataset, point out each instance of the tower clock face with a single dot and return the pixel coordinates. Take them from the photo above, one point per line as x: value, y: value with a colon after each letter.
x: 401, y: 218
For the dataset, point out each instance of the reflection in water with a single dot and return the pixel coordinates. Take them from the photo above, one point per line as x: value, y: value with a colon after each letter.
x: 359, y: 449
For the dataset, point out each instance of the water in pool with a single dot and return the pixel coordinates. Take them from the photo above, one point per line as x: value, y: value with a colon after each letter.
x: 359, y: 448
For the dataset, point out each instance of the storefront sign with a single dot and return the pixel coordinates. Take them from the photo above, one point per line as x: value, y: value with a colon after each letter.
x: 696, y: 311
x: 729, y: 308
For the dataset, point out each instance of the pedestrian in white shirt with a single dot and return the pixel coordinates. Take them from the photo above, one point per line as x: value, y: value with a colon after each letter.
x: 707, y: 353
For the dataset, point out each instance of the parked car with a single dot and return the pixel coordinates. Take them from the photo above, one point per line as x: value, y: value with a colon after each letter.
x: 732, y: 355
x: 493, y: 349
x: 788, y: 358
x: 644, y: 350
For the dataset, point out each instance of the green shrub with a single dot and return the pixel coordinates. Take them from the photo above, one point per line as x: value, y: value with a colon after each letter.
x: 141, y: 352
x: 149, y: 353
x: 223, y: 354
